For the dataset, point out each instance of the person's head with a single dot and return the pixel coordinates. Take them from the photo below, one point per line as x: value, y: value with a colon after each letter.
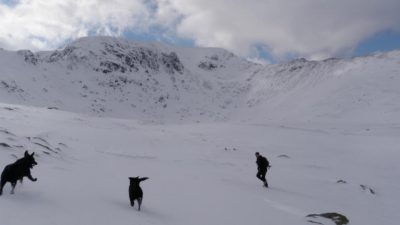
x: 257, y: 154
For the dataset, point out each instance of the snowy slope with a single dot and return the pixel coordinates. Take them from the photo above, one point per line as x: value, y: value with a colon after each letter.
x: 199, y: 173
x: 361, y: 90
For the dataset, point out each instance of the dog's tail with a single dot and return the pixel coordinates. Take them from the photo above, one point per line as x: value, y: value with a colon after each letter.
x: 143, y: 178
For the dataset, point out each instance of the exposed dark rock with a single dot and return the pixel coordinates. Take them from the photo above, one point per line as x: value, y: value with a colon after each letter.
x: 41, y: 139
x: 211, y: 63
x: 46, y: 147
x: 134, y: 58
x: 337, y: 218
x: 2, y: 144
x: 116, y: 81
x: 294, y: 68
x: 341, y: 181
x: 108, y: 67
x: 172, y: 63
x: 11, y: 86
x: 147, y: 59
x: 29, y: 57
x: 59, y: 55
x: 368, y: 189
x: 208, y: 65
x: 62, y: 144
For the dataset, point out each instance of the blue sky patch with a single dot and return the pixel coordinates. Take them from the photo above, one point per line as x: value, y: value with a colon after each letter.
x: 380, y: 42
x: 10, y: 3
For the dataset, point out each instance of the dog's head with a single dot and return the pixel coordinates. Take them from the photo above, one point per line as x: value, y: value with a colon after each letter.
x: 137, y: 180
x: 29, y: 159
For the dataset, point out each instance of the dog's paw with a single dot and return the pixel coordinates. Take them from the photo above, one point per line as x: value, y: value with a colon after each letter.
x: 34, y: 179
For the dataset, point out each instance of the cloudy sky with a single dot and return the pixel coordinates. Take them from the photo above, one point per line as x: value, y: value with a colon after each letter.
x: 273, y: 30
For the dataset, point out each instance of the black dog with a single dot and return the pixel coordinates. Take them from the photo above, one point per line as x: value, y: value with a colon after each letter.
x: 17, y: 171
x: 135, y: 192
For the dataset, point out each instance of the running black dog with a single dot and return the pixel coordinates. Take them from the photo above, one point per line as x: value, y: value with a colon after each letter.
x: 135, y: 192
x: 17, y: 171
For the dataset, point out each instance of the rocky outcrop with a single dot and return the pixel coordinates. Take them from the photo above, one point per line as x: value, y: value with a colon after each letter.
x: 337, y: 218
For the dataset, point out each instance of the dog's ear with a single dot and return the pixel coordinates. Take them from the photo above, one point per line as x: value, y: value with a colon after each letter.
x: 32, y: 153
x: 26, y: 153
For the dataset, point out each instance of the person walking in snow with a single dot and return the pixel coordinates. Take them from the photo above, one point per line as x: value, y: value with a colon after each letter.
x: 262, y: 167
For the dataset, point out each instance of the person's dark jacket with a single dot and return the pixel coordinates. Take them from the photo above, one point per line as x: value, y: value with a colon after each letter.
x: 262, y: 163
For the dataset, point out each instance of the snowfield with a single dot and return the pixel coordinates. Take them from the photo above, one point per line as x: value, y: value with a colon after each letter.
x: 104, y: 109
x: 199, y: 173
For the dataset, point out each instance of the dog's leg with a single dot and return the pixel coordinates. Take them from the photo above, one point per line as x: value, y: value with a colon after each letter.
x: 132, y: 203
x: 31, y: 178
x: 1, y: 186
x: 139, y: 202
x: 13, y: 187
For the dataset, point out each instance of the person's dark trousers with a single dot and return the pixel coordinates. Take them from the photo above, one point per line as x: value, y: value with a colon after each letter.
x: 261, y: 175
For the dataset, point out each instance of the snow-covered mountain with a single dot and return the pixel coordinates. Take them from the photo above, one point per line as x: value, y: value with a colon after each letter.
x: 155, y: 82
x: 103, y: 109
x: 119, y: 78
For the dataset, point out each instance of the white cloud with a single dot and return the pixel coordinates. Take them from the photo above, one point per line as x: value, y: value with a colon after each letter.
x: 307, y: 28
x: 310, y: 28
x: 39, y: 24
